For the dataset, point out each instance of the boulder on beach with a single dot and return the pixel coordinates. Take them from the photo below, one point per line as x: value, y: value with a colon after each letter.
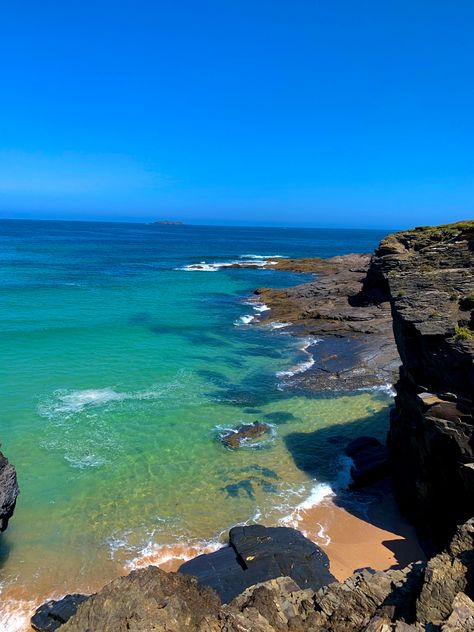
x: 256, y: 554
x: 235, y: 438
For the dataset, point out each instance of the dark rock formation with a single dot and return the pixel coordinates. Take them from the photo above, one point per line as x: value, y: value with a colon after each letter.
x: 358, y: 347
x: 370, y: 461
x: 52, y: 614
x: 433, y: 597
x: 145, y: 601
x: 257, y: 553
x: 235, y: 438
x: 428, y: 275
x: 9, y: 491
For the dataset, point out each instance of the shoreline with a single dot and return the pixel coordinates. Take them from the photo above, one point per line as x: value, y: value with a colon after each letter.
x: 325, y: 523
x: 349, y: 541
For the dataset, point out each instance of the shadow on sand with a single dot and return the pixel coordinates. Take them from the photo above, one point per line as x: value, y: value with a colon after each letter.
x: 374, y: 504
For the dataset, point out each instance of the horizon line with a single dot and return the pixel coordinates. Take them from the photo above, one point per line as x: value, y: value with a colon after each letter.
x: 176, y: 222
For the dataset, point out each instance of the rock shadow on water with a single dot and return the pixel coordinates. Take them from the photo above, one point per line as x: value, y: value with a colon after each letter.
x: 255, y: 475
x: 5, y: 550
x: 375, y: 503
x: 246, y: 487
x: 252, y: 392
x: 280, y: 417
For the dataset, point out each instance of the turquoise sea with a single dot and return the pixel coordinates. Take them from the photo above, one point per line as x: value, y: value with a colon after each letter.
x: 121, y: 366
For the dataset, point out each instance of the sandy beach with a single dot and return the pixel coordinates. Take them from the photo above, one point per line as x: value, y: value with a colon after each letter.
x: 380, y: 539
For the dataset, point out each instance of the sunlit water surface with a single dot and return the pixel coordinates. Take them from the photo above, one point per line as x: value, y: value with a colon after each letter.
x: 121, y: 368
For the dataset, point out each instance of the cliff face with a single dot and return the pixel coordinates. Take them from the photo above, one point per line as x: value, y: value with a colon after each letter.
x: 8, y: 491
x: 428, y: 276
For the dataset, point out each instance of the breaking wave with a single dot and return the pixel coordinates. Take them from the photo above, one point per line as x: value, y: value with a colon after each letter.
x: 260, y: 261
x: 303, y: 366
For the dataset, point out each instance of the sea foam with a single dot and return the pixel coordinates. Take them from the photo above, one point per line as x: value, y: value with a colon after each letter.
x: 159, y: 554
x: 15, y: 615
x: 303, y: 366
x: 244, y: 320
x: 260, y: 261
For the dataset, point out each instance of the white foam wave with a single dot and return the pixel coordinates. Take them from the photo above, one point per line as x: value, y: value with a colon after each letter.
x: 261, y: 307
x: 65, y: 403
x: 75, y: 401
x: 15, y: 615
x: 159, y: 554
x: 244, y: 320
x: 318, y: 493
x: 387, y: 388
x: 278, y: 325
x: 323, y: 535
x: 303, y: 366
x: 259, y: 261
x: 257, y: 257
x: 200, y: 267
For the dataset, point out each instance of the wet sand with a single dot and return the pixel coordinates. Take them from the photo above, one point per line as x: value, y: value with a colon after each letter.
x: 352, y: 542
x: 380, y: 539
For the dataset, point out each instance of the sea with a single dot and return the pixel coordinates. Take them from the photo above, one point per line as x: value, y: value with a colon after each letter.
x: 127, y: 351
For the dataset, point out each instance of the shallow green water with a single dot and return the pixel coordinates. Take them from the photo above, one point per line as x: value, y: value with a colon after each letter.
x: 119, y: 371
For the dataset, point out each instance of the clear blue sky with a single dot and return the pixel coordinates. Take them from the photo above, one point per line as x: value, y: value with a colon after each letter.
x: 292, y: 112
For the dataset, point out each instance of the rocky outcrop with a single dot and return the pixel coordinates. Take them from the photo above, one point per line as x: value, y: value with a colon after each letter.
x: 421, y: 282
x: 144, y: 601
x: 51, y: 615
x: 9, y: 491
x: 243, y: 434
x: 433, y: 597
x: 428, y: 276
x: 436, y: 597
x: 257, y: 553
x: 358, y: 348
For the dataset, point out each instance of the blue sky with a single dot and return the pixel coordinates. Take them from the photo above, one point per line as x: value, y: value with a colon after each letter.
x: 301, y: 112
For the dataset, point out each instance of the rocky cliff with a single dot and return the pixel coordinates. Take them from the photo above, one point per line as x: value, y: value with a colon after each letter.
x: 428, y: 276
x: 8, y: 491
x: 432, y: 597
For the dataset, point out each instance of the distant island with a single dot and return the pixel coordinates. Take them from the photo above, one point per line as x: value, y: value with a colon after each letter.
x: 168, y: 222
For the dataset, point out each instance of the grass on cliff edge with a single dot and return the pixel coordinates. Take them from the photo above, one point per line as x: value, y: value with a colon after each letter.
x: 423, y: 236
x: 463, y: 333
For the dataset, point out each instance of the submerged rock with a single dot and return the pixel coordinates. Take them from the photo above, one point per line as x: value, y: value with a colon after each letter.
x: 235, y: 438
x: 257, y: 553
x: 9, y: 491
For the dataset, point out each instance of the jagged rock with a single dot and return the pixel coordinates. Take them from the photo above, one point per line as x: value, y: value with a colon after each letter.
x: 428, y: 276
x: 235, y: 438
x: 447, y: 574
x: 52, y: 614
x: 359, y: 343
x: 418, y: 598
x: 462, y: 615
x: 9, y: 491
x: 352, y: 604
x: 275, y: 605
x: 256, y: 554
x: 370, y: 461
x: 147, y: 600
